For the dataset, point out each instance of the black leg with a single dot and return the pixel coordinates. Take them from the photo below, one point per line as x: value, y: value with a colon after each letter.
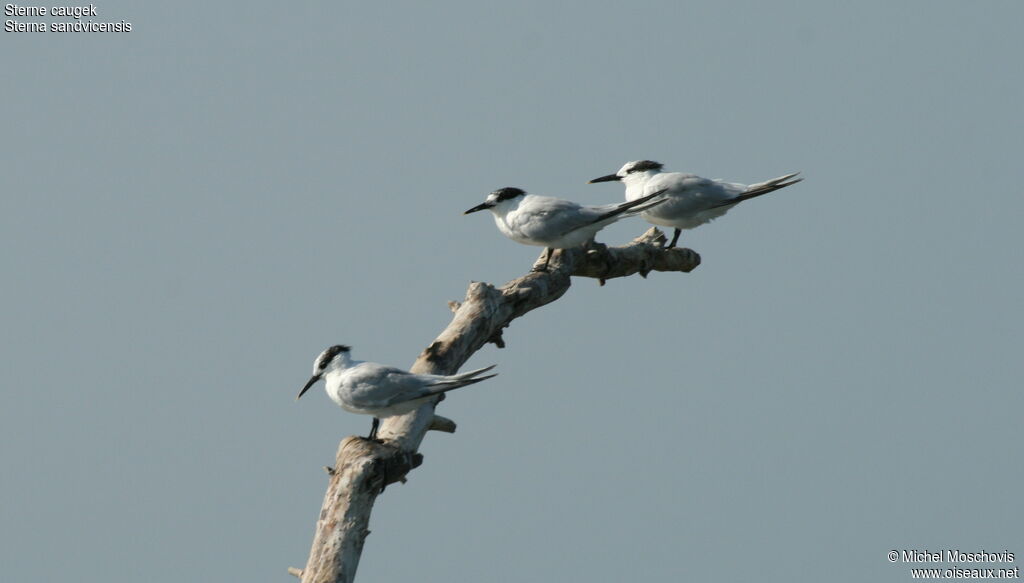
x: 675, y: 238
x: 547, y: 258
x: 373, y: 429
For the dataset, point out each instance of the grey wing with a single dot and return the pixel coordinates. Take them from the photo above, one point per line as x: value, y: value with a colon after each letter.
x: 544, y: 218
x: 374, y: 386
x: 609, y: 213
x: 689, y: 193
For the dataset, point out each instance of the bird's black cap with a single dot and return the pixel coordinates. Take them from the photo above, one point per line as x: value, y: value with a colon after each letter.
x: 645, y: 165
x: 508, y: 192
x: 330, y: 353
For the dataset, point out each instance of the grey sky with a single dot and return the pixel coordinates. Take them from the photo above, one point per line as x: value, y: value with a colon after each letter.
x: 193, y: 210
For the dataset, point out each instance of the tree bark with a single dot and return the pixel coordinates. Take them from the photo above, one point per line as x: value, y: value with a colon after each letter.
x: 363, y: 468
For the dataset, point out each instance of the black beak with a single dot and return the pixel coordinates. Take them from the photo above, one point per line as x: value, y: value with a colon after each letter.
x: 312, y: 380
x: 608, y: 178
x: 479, y: 207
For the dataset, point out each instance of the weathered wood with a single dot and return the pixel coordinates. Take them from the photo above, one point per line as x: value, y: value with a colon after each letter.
x: 442, y: 424
x: 363, y: 468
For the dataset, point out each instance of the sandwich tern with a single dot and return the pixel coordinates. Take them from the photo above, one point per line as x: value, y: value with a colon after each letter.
x: 382, y: 391
x: 692, y: 200
x: 554, y: 223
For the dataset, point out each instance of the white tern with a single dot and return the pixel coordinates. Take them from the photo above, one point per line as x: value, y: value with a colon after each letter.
x: 382, y: 391
x: 692, y: 200
x: 555, y: 223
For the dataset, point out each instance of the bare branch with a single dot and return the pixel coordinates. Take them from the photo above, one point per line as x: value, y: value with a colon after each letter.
x: 643, y: 255
x: 442, y: 424
x: 364, y: 468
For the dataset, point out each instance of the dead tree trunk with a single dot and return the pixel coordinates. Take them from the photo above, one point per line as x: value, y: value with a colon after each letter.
x: 363, y: 468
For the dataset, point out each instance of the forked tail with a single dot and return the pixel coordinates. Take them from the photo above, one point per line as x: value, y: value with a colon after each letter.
x: 472, y: 373
x: 455, y: 383
x: 635, y: 206
x: 755, y: 190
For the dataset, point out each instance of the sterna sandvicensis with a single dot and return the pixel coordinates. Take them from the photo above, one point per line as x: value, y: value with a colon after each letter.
x: 369, y: 388
x: 692, y: 200
x: 554, y: 223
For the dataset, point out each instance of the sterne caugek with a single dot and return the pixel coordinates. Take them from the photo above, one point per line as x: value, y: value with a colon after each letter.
x: 555, y: 223
x: 691, y: 200
x: 369, y: 388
